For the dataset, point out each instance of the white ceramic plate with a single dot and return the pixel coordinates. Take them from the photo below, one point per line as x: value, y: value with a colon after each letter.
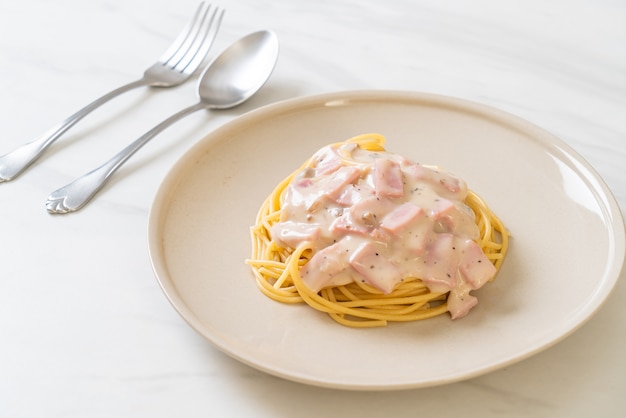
x: 566, y: 253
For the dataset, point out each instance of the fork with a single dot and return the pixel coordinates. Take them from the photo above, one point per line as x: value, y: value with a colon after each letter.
x: 174, y: 67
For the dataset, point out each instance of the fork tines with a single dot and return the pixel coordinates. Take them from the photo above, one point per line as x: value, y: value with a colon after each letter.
x: 197, y: 36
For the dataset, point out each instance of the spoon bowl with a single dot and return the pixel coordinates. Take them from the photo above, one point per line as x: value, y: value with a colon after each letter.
x: 240, y: 71
x: 231, y: 79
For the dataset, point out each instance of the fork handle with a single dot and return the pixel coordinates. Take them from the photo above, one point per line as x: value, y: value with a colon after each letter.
x: 18, y: 160
x: 75, y: 195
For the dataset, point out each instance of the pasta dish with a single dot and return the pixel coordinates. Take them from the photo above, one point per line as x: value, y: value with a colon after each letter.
x: 370, y: 237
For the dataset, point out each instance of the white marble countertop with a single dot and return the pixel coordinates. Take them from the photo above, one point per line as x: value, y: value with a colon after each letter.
x: 85, y: 329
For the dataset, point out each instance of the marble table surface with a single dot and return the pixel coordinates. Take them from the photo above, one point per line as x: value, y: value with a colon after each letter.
x: 85, y: 329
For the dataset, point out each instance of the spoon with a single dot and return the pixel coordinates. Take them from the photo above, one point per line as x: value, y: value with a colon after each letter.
x: 231, y: 79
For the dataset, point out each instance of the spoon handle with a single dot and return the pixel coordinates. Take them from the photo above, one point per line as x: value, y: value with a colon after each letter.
x: 76, y: 194
x: 18, y: 160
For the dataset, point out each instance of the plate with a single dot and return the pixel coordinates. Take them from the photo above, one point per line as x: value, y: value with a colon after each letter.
x: 566, y: 250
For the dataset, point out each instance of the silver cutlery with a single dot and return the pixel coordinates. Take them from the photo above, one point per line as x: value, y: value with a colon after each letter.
x: 174, y: 67
x: 231, y: 79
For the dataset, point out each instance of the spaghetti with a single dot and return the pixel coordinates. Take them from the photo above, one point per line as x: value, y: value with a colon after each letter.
x: 369, y: 237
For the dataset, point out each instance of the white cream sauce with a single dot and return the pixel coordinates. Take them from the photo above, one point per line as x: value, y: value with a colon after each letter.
x: 380, y: 218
